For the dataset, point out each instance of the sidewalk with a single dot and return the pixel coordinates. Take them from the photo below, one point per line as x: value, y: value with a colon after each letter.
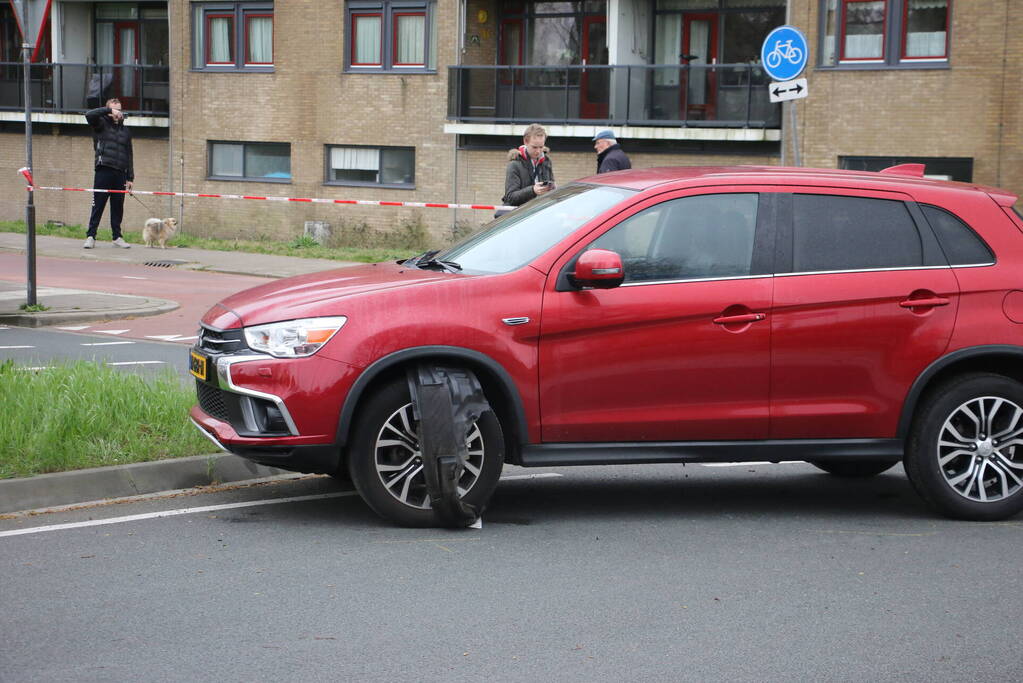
x: 71, y: 305
x: 74, y: 305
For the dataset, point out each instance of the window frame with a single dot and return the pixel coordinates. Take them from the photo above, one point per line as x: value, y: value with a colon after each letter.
x: 894, y: 39
x: 389, y: 11
x: 239, y: 12
x: 244, y: 178
x: 366, y: 183
x: 257, y: 14
x: 844, y: 4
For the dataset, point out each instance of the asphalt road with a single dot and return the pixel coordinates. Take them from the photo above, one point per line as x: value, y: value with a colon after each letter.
x: 697, y: 573
x: 40, y: 347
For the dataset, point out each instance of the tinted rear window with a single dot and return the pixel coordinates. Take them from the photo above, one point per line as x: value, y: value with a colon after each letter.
x: 852, y: 233
x: 961, y: 244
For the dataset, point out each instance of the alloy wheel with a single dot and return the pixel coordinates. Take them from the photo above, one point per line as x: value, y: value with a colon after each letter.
x: 977, y: 449
x: 399, y: 461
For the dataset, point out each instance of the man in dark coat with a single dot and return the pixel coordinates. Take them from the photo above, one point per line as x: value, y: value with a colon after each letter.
x: 529, y: 172
x: 610, y: 155
x: 115, y: 170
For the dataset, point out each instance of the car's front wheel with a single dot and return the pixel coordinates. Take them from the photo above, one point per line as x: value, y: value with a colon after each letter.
x: 965, y: 453
x: 387, y: 467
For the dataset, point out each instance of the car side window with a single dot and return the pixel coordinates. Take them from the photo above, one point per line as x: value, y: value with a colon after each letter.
x: 960, y: 243
x: 706, y: 236
x: 852, y: 233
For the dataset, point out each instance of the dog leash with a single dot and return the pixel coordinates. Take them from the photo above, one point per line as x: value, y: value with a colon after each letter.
x: 131, y: 194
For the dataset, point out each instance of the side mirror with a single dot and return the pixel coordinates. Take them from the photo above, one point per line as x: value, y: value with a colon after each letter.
x: 598, y: 268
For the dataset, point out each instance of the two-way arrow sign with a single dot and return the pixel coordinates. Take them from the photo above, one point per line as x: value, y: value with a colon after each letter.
x: 789, y: 90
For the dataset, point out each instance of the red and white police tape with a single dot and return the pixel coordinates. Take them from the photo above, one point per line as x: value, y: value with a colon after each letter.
x: 310, y: 200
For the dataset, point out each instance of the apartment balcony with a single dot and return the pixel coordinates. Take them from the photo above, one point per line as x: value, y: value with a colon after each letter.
x: 718, y: 101
x: 61, y: 92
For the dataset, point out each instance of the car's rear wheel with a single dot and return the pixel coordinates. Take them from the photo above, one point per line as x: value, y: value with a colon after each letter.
x: 965, y: 452
x: 854, y: 468
x: 387, y: 467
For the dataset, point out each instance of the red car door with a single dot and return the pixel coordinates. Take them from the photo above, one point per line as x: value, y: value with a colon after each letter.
x: 867, y: 303
x: 680, y: 351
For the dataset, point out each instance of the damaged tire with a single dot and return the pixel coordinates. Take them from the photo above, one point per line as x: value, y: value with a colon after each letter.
x: 386, y: 465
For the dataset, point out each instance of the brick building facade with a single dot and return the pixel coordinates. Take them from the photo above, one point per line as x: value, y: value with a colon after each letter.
x: 281, y: 98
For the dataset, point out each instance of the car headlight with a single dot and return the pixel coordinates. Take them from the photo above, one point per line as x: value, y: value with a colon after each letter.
x: 293, y: 338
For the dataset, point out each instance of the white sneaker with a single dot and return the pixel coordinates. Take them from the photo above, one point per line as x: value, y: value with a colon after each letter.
x: 119, y: 242
x: 90, y: 242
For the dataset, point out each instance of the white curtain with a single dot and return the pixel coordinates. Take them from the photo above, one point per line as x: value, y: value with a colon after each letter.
x: 411, y: 39
x: 668, y: 39
x: 104, y: 43
x: 355, y: 158
x: 699, y: 44
x: 127, y: 56
x: 367, y: 39
x: 261, y: 40
x: 863, y: 46
x: 931, y: 44
x: 220, y: 40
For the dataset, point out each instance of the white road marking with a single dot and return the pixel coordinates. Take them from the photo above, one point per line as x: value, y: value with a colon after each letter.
x: 132, y: 277
x: 169, y: 337
x: 138, y: 362
x: 173, y: 513
x: 17, y: 347
x: 746, y: 464
x: 74, y: 328
x: 111, y: 331
x: 107, y: 343
x: 194, y: 336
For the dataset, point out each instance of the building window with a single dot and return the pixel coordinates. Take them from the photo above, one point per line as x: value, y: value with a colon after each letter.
x: 264, y: 161
x: 232, y: 36
x: 390, y: 166
x: 884, y: 33
x: 939, y: 168
x: 391, y: 35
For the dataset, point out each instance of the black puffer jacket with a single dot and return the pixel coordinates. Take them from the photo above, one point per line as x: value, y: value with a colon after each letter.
x: 112, y: 142
x: 519, y: 178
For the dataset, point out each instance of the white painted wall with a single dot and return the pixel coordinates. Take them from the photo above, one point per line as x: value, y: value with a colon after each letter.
x: 629, y: 42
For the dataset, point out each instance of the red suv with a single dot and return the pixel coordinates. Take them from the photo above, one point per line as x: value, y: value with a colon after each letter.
x: 848, y: 319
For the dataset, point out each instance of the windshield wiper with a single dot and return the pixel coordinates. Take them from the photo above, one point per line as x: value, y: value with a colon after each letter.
x: 414, y: 261
x: 432, y: 262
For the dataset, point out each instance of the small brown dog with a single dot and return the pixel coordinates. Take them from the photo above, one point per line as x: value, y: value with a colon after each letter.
x: 160, y: 231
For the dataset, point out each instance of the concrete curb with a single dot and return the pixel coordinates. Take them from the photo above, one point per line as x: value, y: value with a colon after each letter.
x: 46, y: 318
x: 119, y: 481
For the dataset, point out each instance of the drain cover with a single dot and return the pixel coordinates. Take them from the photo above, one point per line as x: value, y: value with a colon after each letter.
x: 166, y: 263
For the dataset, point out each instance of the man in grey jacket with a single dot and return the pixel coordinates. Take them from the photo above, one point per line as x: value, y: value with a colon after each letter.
x: 529, y: 172
x: 114, y: 169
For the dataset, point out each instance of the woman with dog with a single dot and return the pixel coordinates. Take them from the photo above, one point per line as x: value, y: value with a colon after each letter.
x: 114, y: 169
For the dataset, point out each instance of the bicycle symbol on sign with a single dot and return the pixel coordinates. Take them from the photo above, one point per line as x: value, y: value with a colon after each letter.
x: 784, y: 49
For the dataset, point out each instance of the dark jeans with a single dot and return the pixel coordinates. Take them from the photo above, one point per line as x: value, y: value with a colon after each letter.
x: 107, y: 179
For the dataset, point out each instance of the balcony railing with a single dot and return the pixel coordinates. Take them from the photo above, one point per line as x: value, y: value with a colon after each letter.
x: 75, y: 88
x: 717, y: 96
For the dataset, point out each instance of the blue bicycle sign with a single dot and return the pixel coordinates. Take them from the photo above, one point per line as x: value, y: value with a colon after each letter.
x: 783, y: 54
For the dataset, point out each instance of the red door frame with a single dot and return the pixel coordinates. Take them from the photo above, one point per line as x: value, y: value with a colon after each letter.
x: 708, y: 109
x: 588, y: 109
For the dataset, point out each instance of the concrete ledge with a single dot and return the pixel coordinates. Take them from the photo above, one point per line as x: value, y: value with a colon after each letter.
x: 118, y: 481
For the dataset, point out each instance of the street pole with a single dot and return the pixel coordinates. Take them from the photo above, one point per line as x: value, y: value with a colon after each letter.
x: 30, y: 209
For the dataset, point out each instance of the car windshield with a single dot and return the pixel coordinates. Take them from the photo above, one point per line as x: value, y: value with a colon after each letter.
x: 515, y: 239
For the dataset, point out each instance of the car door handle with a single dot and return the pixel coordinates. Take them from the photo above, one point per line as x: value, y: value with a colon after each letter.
x: 739, y: 319
x: 924, y: 303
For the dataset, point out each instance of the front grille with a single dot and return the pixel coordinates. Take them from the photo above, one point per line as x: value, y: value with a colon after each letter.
x: 211, y: 400
x: 221, y: 341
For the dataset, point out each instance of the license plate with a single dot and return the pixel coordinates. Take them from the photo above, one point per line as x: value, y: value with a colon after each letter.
x: 197, y: 365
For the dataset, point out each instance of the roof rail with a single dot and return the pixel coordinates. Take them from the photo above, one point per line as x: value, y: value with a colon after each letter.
x: 912, y: 170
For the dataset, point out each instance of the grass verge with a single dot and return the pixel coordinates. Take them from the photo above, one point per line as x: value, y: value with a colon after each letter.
x: 83, y: 415
x: 302, y: 247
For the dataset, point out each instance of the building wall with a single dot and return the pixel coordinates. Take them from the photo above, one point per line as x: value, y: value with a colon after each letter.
x: 968, y: 110
x: 66, y: 160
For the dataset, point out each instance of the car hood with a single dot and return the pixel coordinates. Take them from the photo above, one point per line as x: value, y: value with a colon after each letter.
x: 310, y: 295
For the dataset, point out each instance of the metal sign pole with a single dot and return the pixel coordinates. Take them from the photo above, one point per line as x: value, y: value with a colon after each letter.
x: 795, y: 135
x: 30, y: 209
